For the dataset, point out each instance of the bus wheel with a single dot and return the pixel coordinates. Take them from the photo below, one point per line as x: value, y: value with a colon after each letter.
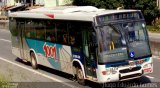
x: 34, y: 61
x: 80, y: 76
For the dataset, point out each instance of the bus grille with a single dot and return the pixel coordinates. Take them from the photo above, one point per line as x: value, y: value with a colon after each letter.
x: 130, y: 70
x: 129, y: 76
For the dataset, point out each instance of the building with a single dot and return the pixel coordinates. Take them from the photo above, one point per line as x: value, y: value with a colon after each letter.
x: 18, y: 5
x: 8, y: 3
x: 47, y: 3
x: 51, y: 3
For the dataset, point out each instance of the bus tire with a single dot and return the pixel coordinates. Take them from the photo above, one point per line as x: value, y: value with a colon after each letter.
x: 34, y: 61
x: 80, y: 76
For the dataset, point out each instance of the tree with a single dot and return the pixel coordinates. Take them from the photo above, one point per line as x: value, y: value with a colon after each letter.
x: 108, y: 4
x: 148, y: 7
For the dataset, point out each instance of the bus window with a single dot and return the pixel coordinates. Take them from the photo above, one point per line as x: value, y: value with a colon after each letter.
x: 62, y: 33
x: 110, y: 39
x: 29, y: 32
x: 13, y: 28
x: 50, y: 37
x: 131, y: 32
x: 72, y: 39
x: 40, y: 30
x: 75, y: 35
x: 65, y: 38
x: 50, y: 31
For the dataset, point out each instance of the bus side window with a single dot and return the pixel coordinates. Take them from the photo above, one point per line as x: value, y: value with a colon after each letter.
x: 50, y: 37
x: 40, y: 30
x: 72, y: 39
x: 13, y: 27
x: 62, y: 37
x: 29, y: 32
x: 65, y: 38
x: 50, y: 31
x: 75, y: 35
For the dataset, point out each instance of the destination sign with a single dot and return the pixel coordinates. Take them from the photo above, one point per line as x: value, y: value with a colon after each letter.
x: 120, y: 16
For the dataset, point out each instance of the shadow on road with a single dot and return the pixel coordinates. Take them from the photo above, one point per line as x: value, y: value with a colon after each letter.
x: 142, y: 82
x: 135, y: 83
x: 47, y: 69
x: 21, y: 61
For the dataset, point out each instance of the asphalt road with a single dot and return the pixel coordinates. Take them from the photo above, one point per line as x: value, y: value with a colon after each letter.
x: 23, y: 76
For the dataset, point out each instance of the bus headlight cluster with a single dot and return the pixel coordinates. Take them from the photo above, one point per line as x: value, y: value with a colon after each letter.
x: 111, y: 71
x: 147, y: 68
x: 149, y: 65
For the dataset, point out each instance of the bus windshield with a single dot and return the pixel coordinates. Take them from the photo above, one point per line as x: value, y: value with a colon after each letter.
x: 110, y: 38
x: 112, y: 45
x: 135, y: 33
x: 118, y: 40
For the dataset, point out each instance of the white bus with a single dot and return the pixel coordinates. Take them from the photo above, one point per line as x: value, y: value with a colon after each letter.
x: 89, y: 43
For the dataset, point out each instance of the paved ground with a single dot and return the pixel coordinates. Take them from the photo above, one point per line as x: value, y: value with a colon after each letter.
x: 154, y: 36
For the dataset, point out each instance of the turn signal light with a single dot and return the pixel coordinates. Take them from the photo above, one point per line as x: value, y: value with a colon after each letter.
x: 104, y: 72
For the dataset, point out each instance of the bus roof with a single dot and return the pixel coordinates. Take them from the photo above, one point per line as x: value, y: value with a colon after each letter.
x: 81, y: 13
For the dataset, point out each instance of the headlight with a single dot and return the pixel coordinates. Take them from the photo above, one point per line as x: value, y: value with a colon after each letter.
x: 149, y: 65
x: 114, y: 72
x: 108, y: 72
x: 111, y: 71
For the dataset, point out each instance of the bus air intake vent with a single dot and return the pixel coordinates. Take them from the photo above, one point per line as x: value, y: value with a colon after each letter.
x: 129, y: 76
x: 130, y: 70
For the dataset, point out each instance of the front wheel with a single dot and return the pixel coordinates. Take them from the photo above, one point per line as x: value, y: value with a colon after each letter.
x: 34, y: 61
x: 80, y: 76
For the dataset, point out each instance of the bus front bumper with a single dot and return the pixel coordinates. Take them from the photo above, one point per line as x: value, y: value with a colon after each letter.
x: 114, y: 74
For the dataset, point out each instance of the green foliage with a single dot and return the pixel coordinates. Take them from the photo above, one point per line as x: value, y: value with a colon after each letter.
x: 4, y: 83
x: 108, y: 4
x: 153, y: 29
x: 148, y: 7
x: 156, y: 23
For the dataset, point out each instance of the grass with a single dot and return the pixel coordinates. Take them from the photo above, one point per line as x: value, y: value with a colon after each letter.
x: 4, y: 83
x: 153, y: 29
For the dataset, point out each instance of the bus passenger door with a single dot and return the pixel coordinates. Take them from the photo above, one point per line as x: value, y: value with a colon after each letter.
x: 90, y: 53
x: 21, y: 28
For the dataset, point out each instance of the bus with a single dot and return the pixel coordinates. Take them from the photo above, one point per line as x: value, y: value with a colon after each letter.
x: 89, y: 43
